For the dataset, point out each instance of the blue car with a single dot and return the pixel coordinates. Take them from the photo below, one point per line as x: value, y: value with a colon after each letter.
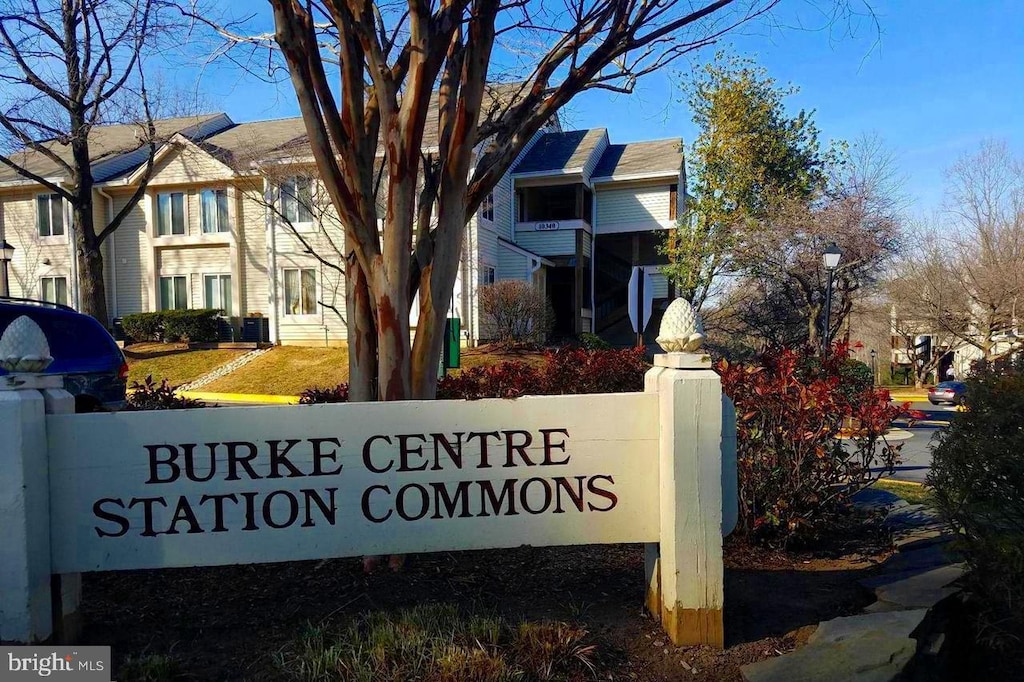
x: 94, y: 368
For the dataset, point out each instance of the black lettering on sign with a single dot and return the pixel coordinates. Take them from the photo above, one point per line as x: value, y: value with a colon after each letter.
x: 101, y: 513
x: 319, y: 455
x: 602, y: 492
x: 368, y: 461
x: 279, y: 459
x: 366, y: 504
x: 511, y: 447
x: 550, y: 445
x: 173, y: 470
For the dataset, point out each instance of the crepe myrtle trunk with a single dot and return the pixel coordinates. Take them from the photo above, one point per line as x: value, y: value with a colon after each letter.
x: 92, y: 293
x: 362, y: 352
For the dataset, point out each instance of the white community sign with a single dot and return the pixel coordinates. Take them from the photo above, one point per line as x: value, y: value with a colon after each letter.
x: 132, y: 490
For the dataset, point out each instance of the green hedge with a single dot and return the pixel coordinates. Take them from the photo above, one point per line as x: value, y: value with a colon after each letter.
x: 143, y: 326
x: 173, y: 325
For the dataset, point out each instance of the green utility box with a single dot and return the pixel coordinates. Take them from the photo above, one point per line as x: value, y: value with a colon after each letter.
x: 452, y: 345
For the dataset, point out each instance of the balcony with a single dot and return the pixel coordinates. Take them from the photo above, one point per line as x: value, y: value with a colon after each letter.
x: 554, y: 207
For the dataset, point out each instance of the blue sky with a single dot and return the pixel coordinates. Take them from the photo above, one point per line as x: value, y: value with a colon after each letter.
x: 934, y: 79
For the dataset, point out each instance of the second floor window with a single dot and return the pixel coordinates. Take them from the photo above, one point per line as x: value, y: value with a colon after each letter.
x: 300, y: 291
x: 297, y: 200
x: 487, y: 207
x: 174, y: 293
x: 214, y: 210
x: 170, y: 213
x: 49, y: 215
x: 55, y: 289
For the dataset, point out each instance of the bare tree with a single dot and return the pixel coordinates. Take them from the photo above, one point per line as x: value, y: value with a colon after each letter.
x: 781, y: 258
x: 403, y: 71
x: 963, y: 276
x: 68, y: 66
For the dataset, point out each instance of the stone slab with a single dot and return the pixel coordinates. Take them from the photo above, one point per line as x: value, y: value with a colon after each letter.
x: 875, y: 499
x: 912, y: 516
x: 923, y: 536
x: 929, y: 557
x: 896, y: 624
x: 924, y: 590
x: 869, y: 658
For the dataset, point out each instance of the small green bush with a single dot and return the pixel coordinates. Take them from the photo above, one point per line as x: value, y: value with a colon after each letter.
x: 978, y: 477
x: 144, y: 326
x: 191, y: 325
x: 593, y: 342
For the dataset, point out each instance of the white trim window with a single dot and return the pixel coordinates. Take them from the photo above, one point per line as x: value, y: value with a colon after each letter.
x: 487, y: 274
x: 297, y: 201
x: 174, y: 292
x: 170, y: 214
x: 299, y: 291
x: 217, y: 292
x: 54, y: 289
x: 213, y: 211
x: 49, y: 215
x: 487, y: 207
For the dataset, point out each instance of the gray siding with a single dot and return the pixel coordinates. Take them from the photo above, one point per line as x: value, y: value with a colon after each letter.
x: 553, y: 243
x: 633, y: 206
x: 132, y: 269
x: 512, y: 264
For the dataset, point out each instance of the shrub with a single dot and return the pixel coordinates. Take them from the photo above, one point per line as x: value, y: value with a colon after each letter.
x: 593, y: 342
x: 317, y: 395
x: 190, y: 325
x: 505, y: 380
x: 518, y: 311
x: 564, y: 371
x: 795, y: 474
x: 143, y: 326
x: 978, y: 477
x: 576, y: 370
x: 152, y: 396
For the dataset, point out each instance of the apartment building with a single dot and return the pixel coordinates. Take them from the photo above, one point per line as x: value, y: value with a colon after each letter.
x: 232, y: 218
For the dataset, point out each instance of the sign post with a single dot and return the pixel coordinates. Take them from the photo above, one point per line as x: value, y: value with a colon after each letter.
x: 641, y: 301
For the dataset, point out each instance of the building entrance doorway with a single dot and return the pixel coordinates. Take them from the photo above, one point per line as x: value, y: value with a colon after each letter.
x: 561, y: 291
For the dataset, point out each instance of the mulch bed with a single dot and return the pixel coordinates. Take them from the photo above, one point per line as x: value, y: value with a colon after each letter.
x: 225, y: 623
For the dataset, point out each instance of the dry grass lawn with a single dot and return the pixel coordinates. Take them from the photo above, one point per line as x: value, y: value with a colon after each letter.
x: 286, y: 370
x: 484, y: 356
x: 911, y: 492
x: 174, y: 362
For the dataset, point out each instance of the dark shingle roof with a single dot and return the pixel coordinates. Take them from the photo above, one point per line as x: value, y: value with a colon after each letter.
x: 637, y: 158
x: 244, y: 143
x: 106, y: 144
x: 561, y: 151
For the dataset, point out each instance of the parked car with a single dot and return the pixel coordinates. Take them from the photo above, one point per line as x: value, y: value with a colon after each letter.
x: 951, y: 392
x: 94, y: 368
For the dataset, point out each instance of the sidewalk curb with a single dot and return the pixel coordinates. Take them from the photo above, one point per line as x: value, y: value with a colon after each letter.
x: 899, y: 482
x: 241, y: 398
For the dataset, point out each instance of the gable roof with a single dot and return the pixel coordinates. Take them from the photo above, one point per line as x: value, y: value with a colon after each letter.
x: 116, y: 149
x: 561, y: 151
x: 243, y: 143
x: 640, y: 158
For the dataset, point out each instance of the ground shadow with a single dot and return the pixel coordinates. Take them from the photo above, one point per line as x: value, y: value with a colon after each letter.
x: 225, y: 623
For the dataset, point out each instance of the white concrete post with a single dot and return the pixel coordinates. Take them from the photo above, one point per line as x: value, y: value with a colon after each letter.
x: 684, y: 570
x: 30, y: 598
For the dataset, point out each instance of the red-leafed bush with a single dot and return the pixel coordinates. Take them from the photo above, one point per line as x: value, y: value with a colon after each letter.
x: 318, y: 394
x: 505, y: 380
x: 564, y: 371
x: 578, y: 370
x: 795, y: 471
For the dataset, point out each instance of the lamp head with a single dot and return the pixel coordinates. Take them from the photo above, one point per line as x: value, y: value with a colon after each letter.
x: 832, y: 256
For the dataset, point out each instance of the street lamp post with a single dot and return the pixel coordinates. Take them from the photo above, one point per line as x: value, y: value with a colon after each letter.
x: 874, y: 367
x: 831, y: 258
x: 6, y: 254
